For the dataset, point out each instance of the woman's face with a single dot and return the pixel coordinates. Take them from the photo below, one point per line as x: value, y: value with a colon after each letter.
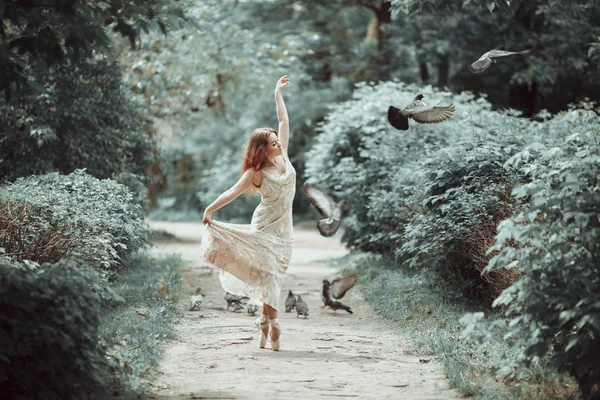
x: 273, y: 146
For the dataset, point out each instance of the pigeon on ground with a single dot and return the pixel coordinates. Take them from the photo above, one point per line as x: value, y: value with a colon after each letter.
x: 420, y: 112
x: 196, y: 300
x: 231, y: 298
x: 325, y: 204
x: 485, y: 61
x: 301, y: 308
x: 337, y: 289
x: 290, y: 302
x: 237, y: 305
x: 253, y: 306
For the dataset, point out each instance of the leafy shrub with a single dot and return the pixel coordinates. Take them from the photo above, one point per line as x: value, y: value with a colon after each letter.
x: 424, y: 194
x: 467, y: 193
x: 554, y: 307
x: 49, y: 327
x: 49, y: 217
x: 82, y: 119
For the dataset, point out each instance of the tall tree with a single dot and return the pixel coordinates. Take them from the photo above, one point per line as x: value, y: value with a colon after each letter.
x: 36, y: 34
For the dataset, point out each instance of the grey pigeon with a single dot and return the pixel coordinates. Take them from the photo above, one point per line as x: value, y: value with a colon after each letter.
x: 237, y: 305
x: 231, y: 298
x: 420, y: 112
x: 337, y: 289
x: 301, y: 308
x: 253, y: 306
x: 196, y: 300
x: 485, y: 61
x: 290, y: 302
x: 328, y: 208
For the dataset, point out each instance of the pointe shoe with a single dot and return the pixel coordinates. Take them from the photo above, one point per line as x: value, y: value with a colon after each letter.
x: 275, y: 344
x: 262, y: 323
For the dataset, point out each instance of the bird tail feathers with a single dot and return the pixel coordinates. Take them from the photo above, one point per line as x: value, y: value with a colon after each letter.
x: 525, y: 52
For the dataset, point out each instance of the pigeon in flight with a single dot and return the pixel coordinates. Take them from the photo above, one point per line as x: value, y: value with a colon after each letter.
x: 196, y: 300
x: 328, y: 208
x: 290, y: 302
x: 301, y: 308
x: 420, y: 112
x: 486, y: 59
x: 253, y: 306
x: 337, y: 289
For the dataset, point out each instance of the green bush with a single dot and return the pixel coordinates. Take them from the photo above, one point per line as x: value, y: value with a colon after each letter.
x: 554, y: 307
x: 82, y: 119
x: 51, y: 217
x: 467, y: 193
x: 424, y: 194
x: 49, y: 328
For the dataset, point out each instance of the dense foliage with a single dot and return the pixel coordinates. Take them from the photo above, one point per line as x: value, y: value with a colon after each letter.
x: 554, y: 306
x: 449, y: 34
x: 425, y: 193
x: 41, y: 33
x: 49, y: 329
x: 52, y: 217
x: 82, y: 119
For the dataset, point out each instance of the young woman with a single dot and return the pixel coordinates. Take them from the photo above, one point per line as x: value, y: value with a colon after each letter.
x: 253, y: 259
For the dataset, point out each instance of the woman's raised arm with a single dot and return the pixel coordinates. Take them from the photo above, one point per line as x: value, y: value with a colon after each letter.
x: 242, y: 185
x: 282, y: 115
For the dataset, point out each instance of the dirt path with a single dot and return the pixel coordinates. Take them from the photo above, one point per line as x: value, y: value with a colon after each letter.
x: 324, y: 356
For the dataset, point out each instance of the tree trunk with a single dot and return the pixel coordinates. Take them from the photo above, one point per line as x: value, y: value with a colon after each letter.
x: 424, y: 71
x: 214, y: 98
x: 443, y: 70
x: 383, y: 15
x: 373, y: 31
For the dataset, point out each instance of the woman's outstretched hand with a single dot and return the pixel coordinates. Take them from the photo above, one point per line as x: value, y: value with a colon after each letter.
x: 207, y: 217
x: 281, y: 83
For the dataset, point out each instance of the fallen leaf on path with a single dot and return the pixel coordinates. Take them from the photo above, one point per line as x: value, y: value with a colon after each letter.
x: 424, y: 360
x: 399, y: 386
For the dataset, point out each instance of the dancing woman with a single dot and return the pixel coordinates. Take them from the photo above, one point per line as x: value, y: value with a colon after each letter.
x: 252, y: 259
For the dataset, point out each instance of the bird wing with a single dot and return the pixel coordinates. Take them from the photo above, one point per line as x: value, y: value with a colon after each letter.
x: 480, y: 65
x: 396, y: 119
x: 321, y: 201
x: 339, y: 286
x: 434, y: 115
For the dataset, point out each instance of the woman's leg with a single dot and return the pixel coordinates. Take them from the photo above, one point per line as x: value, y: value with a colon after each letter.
x: 265, y: 317
x: 272, y: 313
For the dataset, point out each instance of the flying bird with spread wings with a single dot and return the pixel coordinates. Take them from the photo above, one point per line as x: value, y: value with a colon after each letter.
x: 420, y: 112
x: 337, y: 288
x: 328, y: 208
x: 486, y: 60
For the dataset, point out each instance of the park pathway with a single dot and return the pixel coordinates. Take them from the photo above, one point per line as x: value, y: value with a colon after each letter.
x: 323, y: 357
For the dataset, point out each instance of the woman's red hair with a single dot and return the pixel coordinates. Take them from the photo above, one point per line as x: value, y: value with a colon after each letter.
x: 256, y: 151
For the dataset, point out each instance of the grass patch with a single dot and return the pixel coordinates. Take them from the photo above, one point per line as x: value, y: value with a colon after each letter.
x: 136, y: 330
x: 428, y: 311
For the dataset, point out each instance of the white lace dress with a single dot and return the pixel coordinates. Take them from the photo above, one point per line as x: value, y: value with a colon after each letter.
x: 252, y: 259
